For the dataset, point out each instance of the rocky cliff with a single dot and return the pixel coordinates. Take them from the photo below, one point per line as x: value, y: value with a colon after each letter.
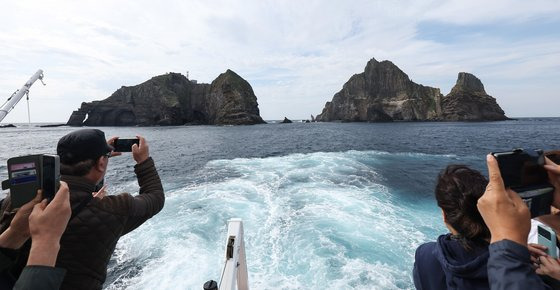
x: 383, y: 92
x: 172, y: 99
x: 468, y: 101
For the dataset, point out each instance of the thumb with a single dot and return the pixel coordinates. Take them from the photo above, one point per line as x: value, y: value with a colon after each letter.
x: 494, y: 175
x: 39, y: 196
x: 548, y: 161
x: 552, y: 168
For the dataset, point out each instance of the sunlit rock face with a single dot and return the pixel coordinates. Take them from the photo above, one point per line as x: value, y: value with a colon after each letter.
x: 383, y: 92
x: 172, y: 99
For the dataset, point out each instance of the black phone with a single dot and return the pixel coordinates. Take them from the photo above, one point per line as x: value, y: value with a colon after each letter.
x: 523, y: 171
x: 29, y: 173
x: 125, y: 145
x: 554, y: 156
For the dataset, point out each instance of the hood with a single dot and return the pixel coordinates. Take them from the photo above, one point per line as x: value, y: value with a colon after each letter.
x: 458, y: 262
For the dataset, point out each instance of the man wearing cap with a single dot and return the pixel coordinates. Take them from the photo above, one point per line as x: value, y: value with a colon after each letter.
x: 97, y: 224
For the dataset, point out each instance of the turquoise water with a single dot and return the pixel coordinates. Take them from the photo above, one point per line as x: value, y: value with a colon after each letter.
x: 325, y: 206
x: 317, y: 220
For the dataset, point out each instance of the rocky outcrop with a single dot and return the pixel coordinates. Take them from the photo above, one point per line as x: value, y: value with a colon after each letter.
x: 468, y: 101
x: 172, y: 99
x: 384, y: 93
x: 286, y: 121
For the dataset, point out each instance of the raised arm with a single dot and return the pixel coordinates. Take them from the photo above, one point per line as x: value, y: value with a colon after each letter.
x: 151, y: 198
x: 509, y: 221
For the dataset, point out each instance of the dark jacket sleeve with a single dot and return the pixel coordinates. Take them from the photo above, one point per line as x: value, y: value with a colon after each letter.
x: 509, y: 267
x: 7, y: 258
x: 151, y: 198
x: 427, y: 272
x: 40, y: 278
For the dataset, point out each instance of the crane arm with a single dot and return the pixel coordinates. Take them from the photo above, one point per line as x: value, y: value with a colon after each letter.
x: 14, y: 99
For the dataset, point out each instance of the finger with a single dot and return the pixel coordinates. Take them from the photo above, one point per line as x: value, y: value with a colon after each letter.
x: 538, y: 246
x: 39, y: 196
x: 62, y: 195
x: 547, y: 261
x: 42, y: 205
x: 37, y: 209
x: 495, y: 177
x: 135, y: 148
x: 114, y: 153
x: 536, y: 252
x: 552, y: 168
x: 111, y: 141
x: 539, y: 271
x: 142, y: 140
x: 549, y: 162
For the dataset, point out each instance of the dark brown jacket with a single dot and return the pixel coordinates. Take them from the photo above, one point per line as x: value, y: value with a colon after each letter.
x: 91, y: 236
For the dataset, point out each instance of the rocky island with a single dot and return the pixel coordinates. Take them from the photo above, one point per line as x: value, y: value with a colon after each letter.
x: 172, y: 99
x: 383, y: 92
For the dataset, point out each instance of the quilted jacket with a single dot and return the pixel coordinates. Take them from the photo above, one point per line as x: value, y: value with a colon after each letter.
x: 91, y: 236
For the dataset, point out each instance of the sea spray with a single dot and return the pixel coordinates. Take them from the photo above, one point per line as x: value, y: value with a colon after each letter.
x: 316, y: 221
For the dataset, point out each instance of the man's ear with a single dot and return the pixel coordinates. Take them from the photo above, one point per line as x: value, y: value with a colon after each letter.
x: 100, y: 164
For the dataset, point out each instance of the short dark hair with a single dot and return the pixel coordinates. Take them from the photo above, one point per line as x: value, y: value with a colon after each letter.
x: 457, y: 192
x: 78, y: 169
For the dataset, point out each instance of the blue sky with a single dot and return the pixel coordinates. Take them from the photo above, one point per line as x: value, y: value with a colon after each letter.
x: 295, y: 54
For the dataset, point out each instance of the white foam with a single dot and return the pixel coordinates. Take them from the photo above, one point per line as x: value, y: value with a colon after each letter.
x: 313, y: 221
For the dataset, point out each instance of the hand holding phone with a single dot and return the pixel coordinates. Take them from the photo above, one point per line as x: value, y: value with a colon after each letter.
x: 125, y: 145
x: 523, y: 171
x: 29, y: 173
x: 547, y: 238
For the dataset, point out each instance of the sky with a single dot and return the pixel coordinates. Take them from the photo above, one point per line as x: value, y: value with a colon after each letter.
x: 295, y: 54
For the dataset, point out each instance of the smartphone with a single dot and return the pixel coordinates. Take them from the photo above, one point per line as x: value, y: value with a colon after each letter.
x: 547, y: 238
x: 29, y: 173
x: 125, y: 145
x: 522, y: 169
x: 523, y: 172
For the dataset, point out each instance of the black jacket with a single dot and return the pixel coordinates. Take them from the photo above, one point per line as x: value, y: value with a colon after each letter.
x: 91, y: 236
x: 446, y: 264
x: 40, y: 278
x: 509, y: 267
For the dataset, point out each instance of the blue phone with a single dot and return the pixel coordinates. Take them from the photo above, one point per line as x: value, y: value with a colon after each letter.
x: 547, y: 237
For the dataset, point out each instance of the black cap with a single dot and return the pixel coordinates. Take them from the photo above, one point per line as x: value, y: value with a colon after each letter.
x: 82, y: 145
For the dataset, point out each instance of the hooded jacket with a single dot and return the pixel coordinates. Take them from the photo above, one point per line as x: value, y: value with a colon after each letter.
x: 446, y: 264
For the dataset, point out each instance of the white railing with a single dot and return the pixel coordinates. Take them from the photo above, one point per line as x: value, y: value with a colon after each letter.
x: 234, y: 273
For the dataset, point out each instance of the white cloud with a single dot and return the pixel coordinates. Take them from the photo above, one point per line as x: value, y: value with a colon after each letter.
x: 296, y: 54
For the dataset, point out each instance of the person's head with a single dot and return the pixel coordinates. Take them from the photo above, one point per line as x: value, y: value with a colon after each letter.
x: 84, y: 153
x: 457, y: 192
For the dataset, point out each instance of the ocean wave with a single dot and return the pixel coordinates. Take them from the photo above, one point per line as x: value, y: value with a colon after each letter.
x: 318, y: 220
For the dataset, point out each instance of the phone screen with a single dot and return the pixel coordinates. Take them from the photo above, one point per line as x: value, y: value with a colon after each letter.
x: 49, y: 182
x: 521, y: 170
x: 543, y: 232
x: 125, y: 145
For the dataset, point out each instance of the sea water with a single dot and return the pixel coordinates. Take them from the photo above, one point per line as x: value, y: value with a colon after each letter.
x: 324, y: 205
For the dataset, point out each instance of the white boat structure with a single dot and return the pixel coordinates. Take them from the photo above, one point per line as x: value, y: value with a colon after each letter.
x: 17, y: 95
x: 234, y: 271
